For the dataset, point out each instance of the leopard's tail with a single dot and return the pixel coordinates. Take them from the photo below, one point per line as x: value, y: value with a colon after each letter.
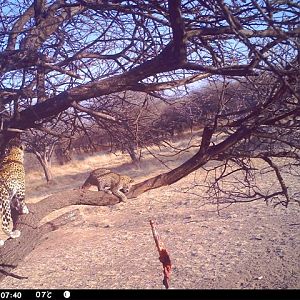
x: 120, y: 195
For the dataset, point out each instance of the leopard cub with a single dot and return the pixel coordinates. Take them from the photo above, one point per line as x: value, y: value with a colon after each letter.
x: 110, y: 182
x: 12, y: 188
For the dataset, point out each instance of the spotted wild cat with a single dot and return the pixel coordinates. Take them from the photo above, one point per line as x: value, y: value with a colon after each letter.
x: 110, y: 182
x: 12, y: 188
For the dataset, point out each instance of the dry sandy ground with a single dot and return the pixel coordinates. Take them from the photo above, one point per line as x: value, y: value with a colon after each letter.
x: 245, y: 246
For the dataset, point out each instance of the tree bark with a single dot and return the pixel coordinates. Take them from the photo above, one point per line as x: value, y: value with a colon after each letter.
x: 204, y: 154
x: 134, y: 158
x: 46, y: 165
x: 47, y: 170
x: 15, y: 250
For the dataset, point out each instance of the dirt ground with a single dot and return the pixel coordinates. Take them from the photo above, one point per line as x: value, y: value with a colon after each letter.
x: 246, y: 246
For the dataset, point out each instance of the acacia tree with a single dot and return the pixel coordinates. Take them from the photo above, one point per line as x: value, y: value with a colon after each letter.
x: 44, y: 141
x: 57, y: 54
x: 42, y: 147
x: 274, y: 142
x: 124, y: 123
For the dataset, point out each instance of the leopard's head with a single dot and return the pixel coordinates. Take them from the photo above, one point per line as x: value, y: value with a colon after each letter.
x: 127, y: 185
x: 15, y: 152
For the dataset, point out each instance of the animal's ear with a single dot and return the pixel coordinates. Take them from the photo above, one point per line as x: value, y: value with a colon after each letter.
x: 6, y: 151
x: 22, y: 147
x: 131, y: 180
x: 15, y: 142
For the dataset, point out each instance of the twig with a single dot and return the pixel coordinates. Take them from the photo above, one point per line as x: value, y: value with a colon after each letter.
x: 6, y: 273
x: 13, y: 130
x: 163, y: 256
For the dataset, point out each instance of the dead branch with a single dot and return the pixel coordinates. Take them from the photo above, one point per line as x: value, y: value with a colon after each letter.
x: 94, y: 113
x: 12, y: 130
x: 279, y: 178
x: 150, y: 87
x: 163, y: 256
x: 204, y: 154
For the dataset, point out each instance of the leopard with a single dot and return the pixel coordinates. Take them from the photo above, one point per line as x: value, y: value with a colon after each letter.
x: 109, y: 182
x: 12, y: 188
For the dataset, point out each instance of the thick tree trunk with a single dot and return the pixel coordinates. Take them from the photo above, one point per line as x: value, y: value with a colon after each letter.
x: 15, y: 250
x: 135, y: 159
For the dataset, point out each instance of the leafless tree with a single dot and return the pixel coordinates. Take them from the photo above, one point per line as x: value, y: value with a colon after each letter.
x: 123, y: 123
x: 56, y: 55
x: 44, y: 141
x: 273, y: 144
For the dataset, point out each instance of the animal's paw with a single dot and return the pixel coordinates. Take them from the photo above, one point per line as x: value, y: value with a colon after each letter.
x: 1, y: 243
x: 15, y: 234
x: 25, y: 210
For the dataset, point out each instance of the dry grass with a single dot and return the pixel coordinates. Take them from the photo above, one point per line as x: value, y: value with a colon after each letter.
x: 155, y: 160
x: 71, y: 175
